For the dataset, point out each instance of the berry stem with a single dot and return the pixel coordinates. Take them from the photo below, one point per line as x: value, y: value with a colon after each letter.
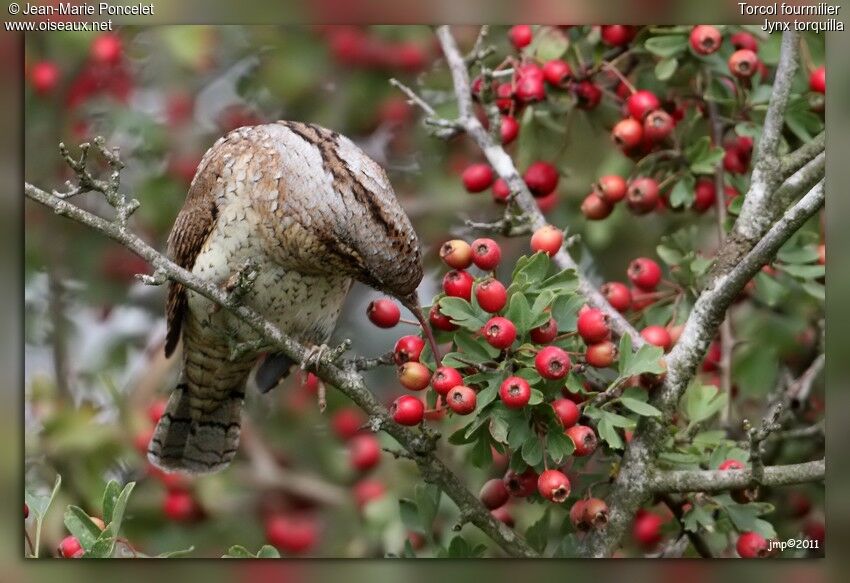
x: 426, y: 328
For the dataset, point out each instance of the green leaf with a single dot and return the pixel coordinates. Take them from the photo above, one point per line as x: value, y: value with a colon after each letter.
x: 519, y: 312
x: 559, y: 446
x: 537, y: 534
x: 476, y: 346
x: 499, y: 429
x: 39, y: 504
x: 624, y: 355
x: 806, y: 254
x: 104, y: 546
x: 697, y: 516
x: 184, y: 552
x: 574, y: 384
x: 428, y: 500
x: 268, y: 552
x: 550, y: 45
x: 745, y: 518
x: 536, y: 397
x: 648, y: 359
x: 110, y: 499
x: 81, y: 526
x: 410, y: 515
x: 666, y: 68
x: 703, y: 157
x: 804, y: 271
x: 460, y: 549
x: 462, y: 313
x: 815, y: 289
x: 531, y: 375
x: 532, y: 451
x: 480, y: 454
x: 531, y: 269
x: 667, y: 45
x: 700, y: 402
x: 563, y: 282
x: 120, y: 505
x: 609, y: 434
x: 639, y: 407
x: 565, y: 311
x: 240, y: 552
x: 679, y: 458
x: 682, y: 196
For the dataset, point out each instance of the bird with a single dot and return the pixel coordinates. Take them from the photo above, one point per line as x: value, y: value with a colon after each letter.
x: 312, y: 213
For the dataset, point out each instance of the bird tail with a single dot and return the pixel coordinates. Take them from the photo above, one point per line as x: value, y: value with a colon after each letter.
x: 195, y: 441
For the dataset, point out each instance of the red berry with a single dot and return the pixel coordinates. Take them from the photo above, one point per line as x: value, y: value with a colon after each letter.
x: 641, y: 103
x: 414, y: 376
x: 704, y: 195
x: 530, y: 69
x: 508, y: 129
x: 458, y: 284
x: 552, y: 362
x: 364, y: 452
x: 618, y: 295
x: 588, y: 95
x: 583, y: 438
x: 180, y: 506
x: 548, y: 239
x: 642, y: 196
x: 658, y: 125
x: 641, y: 299
x: 504, y: 96
x: 822, y: 254
x: 499, y: 332
x: 383, y: 313
x: 515, y: 392
x: 566, y: 411
x: 601, y: 354
x: 493, y: 494
x: 491, y: 295
x: 743, y: 63
x: 592, y: 325
x: 367, y: 490
x: 577, y: 516
x: 521, y: 485
x: 461, y: 400
x: 595, y: 513
x: 445, y: 379
x: 456, y: 254
x: 744, y: 145
x: 705, y: 39
x: 486, y: 254
x: 751, y: 545
x: 541, y: 178
x: 547, y: 203
x: 644, y: 273
x: 291, y: 534
x: 657, y: 335
x: 628, y: 133
x: 70, y: 548
x: 553, y: 486
x: 156, y: 410
x: 595, y: 208
x: 407, y: 410
x: 408, y: 348
x: 530, y: 88
x: 617, y: 35
x: 817, y: 80
x: 734, y: 162
x: 520, y: 35
x: 477, y: 177
x: 44, y: 77
x: 731, y: 465
x: 501, y: 191
x: 646, y: 529
x: 545, y: 333
x: 744, y: 40
x: 439, y: 320
x: 106, y: 49
x: 309, y: 383
x: 556, y: 72
x: 26, y: 511
x: 611, y: 188
x: 346, y: 422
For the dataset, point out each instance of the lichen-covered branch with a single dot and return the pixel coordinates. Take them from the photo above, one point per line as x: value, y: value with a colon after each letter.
x: 721, y: 480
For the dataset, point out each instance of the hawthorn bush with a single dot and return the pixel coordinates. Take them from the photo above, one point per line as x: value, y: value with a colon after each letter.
x: 628, y: 335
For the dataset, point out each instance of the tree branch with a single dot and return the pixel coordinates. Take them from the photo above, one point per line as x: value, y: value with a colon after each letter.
x: 722, y: 480
x: 803, y: 155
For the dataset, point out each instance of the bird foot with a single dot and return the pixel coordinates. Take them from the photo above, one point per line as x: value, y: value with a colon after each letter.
x: 323, y: 353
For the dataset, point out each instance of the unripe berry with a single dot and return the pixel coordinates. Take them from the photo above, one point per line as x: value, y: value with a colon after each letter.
x: 407, y: 410
x: 106, y: 49
x: 70, y: 548
x: 644, y: 273
x: 548, y: 239
x: 731, y: 464
x: 458, y: 284
x: 646, y: 529
x: 595, y: 208
x: 383, y: 313
x: 499, y: 332
x: 501, y: 191
x: 618, y: 295
x: 592, y: 325
x: 521, y: 485
x: 553, y: 486
x: 601, y: 355
x: 744, y: 40
x: 577, y: 516
x: 508, y: 129
x: 751, y: 545
x: 611, y: 188
x: 530, y: 88
x: 461, y: 400
x: 817, y: 80
x: 552, y: 362
x: 566, y: 411
x: 541, y: 178
x: 515, y: 392
x: 704, y: 195
x: 641, y: 103
x: 705, y: 39
x: 657, y: 335
x: 595, y: 513
x: 588, y: 95
x: 583, y: 438
x: 346, y: 422
x: 657, y: 125
x: 407, y: 349
x: 486, y: 254
x: 545, y: 333
x: 439, y: 320
x: 491, y: 295
x: 180, y: 506
x: 445, y: 379
x: 493, y: 494
x: 520, y: 35
x: 627, y: 133
x: 291, y: 534
x: 642, y: 196
x: 743, y: 63
x: 456, y: 253
x: 364, y: 452
x: 414, y: 376
x: 477, y: 177
x: 44, y: 77
x: 556, y: 72
x: 617, y: 35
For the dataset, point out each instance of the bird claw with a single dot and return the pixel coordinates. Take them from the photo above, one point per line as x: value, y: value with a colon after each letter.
x: 323, y: 353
